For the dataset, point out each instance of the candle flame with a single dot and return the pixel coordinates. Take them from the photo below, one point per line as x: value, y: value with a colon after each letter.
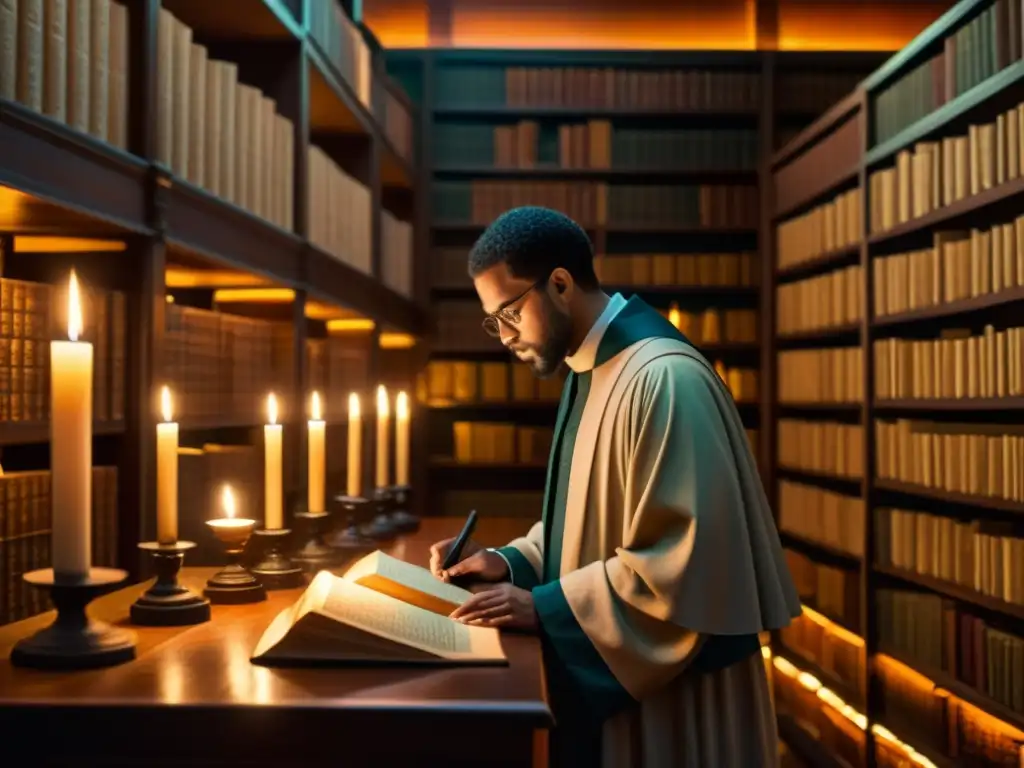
x: 382, y: 400
x: 353, y: 405
x: 227, y: 500
x: 402, y: 406
x: 74, y: 308
x: 674, y: 317
x: 165, y: 403
x: 315, y: 407
x: 272, y: 408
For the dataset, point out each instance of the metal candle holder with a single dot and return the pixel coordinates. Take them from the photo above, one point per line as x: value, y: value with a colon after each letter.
x: 402, y: 518
x: 73, y: 640
x: 381, y: 527
x: 233, y: 584
x: 349, y: 539
x: 275, y: 569
x: 314, y: 554
x: 167, y: 603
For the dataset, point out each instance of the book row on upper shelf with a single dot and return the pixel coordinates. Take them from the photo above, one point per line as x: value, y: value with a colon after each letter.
x: 592, y: 145
x: 834, y: 520
x: 484, y: 442
x: 595, y: 205
x: 467, y: 381
x: 955, y: 366
x: 69, y: 62
x: 832, y: 375
x: 936, y: 174
x: 825, y: 301
x: 822, y: 447
x: 824, y: 229
x: 829, y: 590
x: 988, y: 43
x: 25, y: 526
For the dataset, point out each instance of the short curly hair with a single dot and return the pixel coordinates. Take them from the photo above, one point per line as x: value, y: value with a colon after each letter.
x: 533, y: 242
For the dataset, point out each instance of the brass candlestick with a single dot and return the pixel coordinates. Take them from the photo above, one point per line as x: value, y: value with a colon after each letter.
x: 276, y: 570
x: 233, y: 585
x: 381, y: 527
x: 73, y: 640
x: 402, y: 517
x: 350, y: 539
x: 167, y: 603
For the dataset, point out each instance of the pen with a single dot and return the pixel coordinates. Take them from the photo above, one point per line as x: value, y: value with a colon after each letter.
x: 455, y: 553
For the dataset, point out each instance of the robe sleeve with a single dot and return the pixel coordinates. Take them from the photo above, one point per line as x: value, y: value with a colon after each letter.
x: 673, y: 456
x: 525, y: 557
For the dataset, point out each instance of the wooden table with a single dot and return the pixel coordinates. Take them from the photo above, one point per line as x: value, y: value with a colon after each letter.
x: 193, y: 698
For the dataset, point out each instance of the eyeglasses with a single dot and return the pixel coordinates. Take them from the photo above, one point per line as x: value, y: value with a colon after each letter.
x: 506, y: 314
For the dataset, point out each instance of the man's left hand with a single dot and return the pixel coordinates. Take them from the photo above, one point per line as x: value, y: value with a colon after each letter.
x: 502, y: 606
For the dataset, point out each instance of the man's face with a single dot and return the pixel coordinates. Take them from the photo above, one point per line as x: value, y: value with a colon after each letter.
x: 531, y: 319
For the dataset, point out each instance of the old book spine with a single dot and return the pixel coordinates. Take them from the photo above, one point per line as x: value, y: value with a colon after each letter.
x: 198, y: 127
x: 29, y: 85
x: 99, y: 69
x: 117, y: 112
x: 181, y: 98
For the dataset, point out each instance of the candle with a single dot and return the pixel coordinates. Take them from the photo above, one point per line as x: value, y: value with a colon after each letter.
x: 71, y: 444
x: 382, y: 436
x: 355, y: 447
x: 272, y: 482
x: 317, y: 431
x: 166, y: 473
x: 229, y: 507
x: 402, y: 439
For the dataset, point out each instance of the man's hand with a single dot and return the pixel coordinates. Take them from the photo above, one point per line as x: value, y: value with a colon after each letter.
x: 477, y: 563
x: 503, y: 606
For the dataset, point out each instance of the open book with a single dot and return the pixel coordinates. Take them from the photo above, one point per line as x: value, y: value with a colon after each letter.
x: 382, y: 611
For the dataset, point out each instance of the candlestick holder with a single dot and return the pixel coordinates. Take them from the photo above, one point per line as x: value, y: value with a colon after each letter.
x: 354, y: 510
x: 402, y: 518
x: 233, y: 584
x: 275, y: 569
x: 73, y: 640
x: 314, y: 554
x: 381, y: 527
x: 167, y: 603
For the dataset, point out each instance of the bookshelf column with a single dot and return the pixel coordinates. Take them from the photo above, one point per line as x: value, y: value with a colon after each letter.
x: 766, y: 298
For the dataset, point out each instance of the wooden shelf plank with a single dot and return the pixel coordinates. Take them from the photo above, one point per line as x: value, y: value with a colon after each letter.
x: 818, y: 551
x: 824, y: 408
x: 599, y: 174
x: 953, y: 591
x: 850, y: 486
x: 103, y: 188
x: 19, y: 433
x: 826, y: 336
x: 958, y: 308
x: 505, y: 111
x: 816, y: 132
x: 963, y: 499
x: 807, y: 746
x: 799, y: 658
x: 964, y: 405
x: 825, y: 262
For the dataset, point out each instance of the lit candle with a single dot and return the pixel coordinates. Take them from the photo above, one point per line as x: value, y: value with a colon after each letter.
x: 272, y: 483
x: 355, y: 447
x: 317, y: 431
x: 71, y: 444
x: 402, y: 439
x: 230, y: 509
x: 382, y: 436
x: 674, y: 317
x: 166, y: 473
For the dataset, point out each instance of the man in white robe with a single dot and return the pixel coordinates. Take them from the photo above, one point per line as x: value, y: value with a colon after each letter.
x: 656, y: 563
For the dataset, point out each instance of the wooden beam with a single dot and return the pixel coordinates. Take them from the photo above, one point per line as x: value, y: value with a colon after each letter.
x: 766, y: 20
x: 440, y: 22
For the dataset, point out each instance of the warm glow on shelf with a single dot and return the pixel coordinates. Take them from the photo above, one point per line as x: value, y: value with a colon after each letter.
x: 180, y: 277
x: 838, y: 630
x: 244, y: 295
x: 350, y: 324
x: 397, y: 341
x: 54, y: 244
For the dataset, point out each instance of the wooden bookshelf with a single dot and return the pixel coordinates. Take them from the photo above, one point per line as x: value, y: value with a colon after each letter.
x: 164, y: 208
x: 932, y: 97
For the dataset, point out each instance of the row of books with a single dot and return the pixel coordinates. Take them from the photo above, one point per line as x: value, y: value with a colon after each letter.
x: 33, y: 313
x: 825, y: 447
x: 604, y: 88
x: 25, y: 528
x: 972, y: 53
x: 827, y: 645
x: 982, y: 460
x: 823, y: 301
x: 398, y: 125
x: 821, y: 230
x: 477, y: 442
x: 743, y: 383
x: 832, y: 592
x: 954, y: 366
x: 68, y: 60
x: 339, y: 217
x: 959, y: 265
x: 716, y: 326
x: 677, y: 269
x: 337, y: 366
x: 219, y: 132
x: 941, y: 722
x: 466, y: 381
x: 396, y: 251
x: 343, y: 44
x: 936, y: 633
x: 833, y: 375
x: 822, y: 516
x: 939, y: 173
x: 982, y: 555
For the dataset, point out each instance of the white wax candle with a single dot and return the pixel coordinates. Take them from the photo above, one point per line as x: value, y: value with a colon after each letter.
x: 383, y: 418
x: 402, y: 439
x: 272, y: 478
x: 355, y: 447
x: 71, y: 445
x: 317, y: 450
x: 166, y: 473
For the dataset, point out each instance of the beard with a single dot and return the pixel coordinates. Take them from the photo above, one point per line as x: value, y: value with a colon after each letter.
x: 549, y: 354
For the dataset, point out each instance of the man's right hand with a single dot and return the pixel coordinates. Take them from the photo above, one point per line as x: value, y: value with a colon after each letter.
x: 477, y: 563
